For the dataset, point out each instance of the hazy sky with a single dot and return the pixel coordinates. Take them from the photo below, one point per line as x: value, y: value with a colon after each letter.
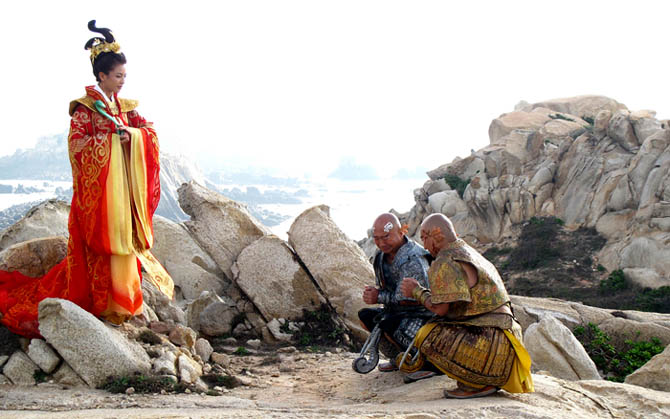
x: 297, y: 85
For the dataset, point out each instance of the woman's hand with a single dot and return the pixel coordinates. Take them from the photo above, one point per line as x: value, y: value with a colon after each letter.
x: 124, y: 134
x: 407, y: 286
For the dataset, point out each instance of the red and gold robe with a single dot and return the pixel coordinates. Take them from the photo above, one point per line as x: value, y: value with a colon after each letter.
x: 116, y: 191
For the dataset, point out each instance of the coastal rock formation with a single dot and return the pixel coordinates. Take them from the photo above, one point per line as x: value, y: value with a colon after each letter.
x: 191, y: 268
x: 587, y: 160
x: 554, y: 348
x: 89, y: 347
x: 34, y: 258
x: 337, y: 264
x: 221, y: 226
x: 654, y: 374
x: 269, y: 273
x: 45, y: 220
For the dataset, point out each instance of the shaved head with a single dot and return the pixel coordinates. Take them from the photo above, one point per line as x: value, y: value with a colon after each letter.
x: 388, y: 234
x: 441, y: 222
x: 382, y: 222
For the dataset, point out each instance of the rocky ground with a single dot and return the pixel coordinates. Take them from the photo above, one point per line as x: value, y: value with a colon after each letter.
x: 305, y: 384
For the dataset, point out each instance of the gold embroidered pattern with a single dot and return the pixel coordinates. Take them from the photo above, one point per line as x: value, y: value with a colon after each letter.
x: 449, y: 279
x: 478, y: 355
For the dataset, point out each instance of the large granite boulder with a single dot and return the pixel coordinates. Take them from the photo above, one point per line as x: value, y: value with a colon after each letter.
x: 44, y: 220
x: 654, y: 374
x: 271, y: 276
x: 35, y: 257
x: 337, y: 264
x: 553, y: 348
x: 221, y: 226
x: 93, y: 350
x: 191, y: 268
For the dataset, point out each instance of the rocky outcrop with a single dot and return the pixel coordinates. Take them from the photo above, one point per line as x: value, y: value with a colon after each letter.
x: 587, y: 160
x: 619, y: 324
x: 337, y: 264
x: 270, y: 274
x: 554, y: 348
x: 92, y: 349
x: 191, y: 268
x: 221, y: 226
x: 654, y: 374
x: 34, y: 258
x: 47, y: 219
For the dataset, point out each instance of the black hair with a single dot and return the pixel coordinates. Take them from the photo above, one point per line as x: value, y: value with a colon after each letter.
x: 105, y: 61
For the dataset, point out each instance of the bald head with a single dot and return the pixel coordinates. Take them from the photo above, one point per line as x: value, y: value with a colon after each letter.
x: 441, y: 222
x: 388, y: 234
x: 386, y: 222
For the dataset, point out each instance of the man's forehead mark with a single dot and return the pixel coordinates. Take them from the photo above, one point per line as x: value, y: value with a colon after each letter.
x: 388, y: 227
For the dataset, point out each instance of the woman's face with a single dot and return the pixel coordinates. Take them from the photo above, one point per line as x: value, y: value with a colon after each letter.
x: 113, y: 82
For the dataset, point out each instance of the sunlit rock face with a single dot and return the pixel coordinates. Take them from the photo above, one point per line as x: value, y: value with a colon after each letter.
x: 587, y: 160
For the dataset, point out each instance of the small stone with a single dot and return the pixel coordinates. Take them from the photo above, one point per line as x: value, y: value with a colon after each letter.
x: 43, y: 355
x: 204, y: 349
x: 187, y: 391
x: 254, y: 343
x: 20, y: 369
x: 161, y: 327
x: 229, y: 341
x: 287, y: 349
x: 130, y: 390
x: 245, y: 381
x: 220, y: 359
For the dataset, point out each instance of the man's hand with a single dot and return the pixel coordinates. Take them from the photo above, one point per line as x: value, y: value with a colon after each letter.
x: 370, y: 295
x: 407, y: 286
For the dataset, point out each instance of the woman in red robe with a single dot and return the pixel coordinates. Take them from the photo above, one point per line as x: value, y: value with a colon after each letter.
x: 114, y: 157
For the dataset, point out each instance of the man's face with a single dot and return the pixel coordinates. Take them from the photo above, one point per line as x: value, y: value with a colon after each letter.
x: 429, y: 243
x: 388, y: 241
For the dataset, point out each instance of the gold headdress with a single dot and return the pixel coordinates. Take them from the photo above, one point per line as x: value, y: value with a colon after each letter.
x: 99, y: 45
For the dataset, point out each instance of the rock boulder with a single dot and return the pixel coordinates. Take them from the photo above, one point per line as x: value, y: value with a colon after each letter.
x: 92, y: 349
x: 35, y: 257
x: 221, y: 226
x: 555, y: 349
x: 270, y: 274
x: 47, y: 219
x: 337, y: 264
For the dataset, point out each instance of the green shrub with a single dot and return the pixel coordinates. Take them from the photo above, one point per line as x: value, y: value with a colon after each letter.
x: 616, y: 363
x: 241, y: 351
x: 457, y: 184
x: 560, y: 116
x: 319, y: 327
x: 40, y: 376
x: 616, y: 281
x: 141, y: 384
x: 654, y: 300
